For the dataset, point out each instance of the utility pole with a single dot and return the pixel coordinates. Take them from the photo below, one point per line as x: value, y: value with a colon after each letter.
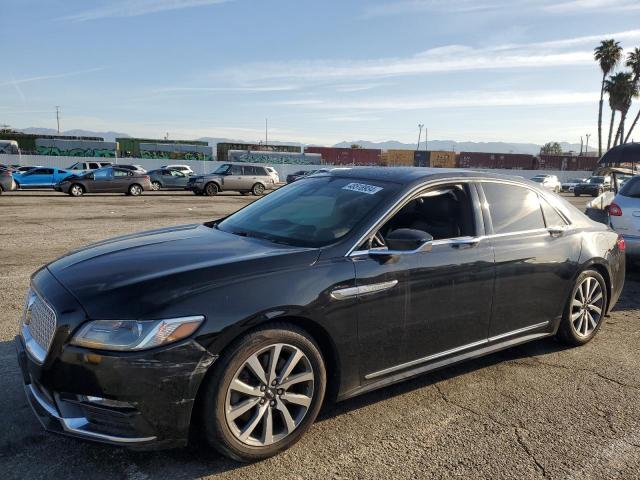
x: 426, y: 139
x: 266, y: 133
x: 58, y: 117
x: 420, y: 125
x: 581, y: 144
x: 586, y: 149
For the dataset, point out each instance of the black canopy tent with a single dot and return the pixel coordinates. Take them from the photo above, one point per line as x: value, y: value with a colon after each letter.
x: 625, y: 155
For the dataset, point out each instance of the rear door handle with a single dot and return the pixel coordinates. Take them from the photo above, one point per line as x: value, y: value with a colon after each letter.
x: 465, y: 242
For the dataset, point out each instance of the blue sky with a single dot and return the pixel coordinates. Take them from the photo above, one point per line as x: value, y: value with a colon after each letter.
x: 321, y: 71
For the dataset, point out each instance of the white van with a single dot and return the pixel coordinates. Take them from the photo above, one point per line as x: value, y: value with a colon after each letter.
x: 80, y: 167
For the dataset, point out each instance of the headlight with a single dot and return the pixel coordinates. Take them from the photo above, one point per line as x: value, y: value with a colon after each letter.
x: 133, y: 335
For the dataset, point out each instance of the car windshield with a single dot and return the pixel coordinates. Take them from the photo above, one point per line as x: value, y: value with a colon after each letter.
x: 596, y: 180
x: 631, y: 188
x: 538, y: 179
x: 576, y: 180
x: 312, y: 213
x: 221, y: 170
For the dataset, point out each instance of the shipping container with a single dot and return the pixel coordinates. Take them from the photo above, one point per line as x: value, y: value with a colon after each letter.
x: 176, y: 151
x: 130, y: 147
x: 348, y: 156
x: 75, y: 148
x: 567, y: 162
x: 27, y: 141
x: 397, y: 158
x: 420, y: 158
x: 274, y: 158
x: 514, y: 161
x: 222, y: 149
x: 442, y: 159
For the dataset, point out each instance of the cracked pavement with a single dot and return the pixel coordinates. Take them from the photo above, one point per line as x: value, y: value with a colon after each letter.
x: 536, y: 411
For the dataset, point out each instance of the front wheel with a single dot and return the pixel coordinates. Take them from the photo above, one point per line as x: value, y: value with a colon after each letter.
x: 211, y: 189
x: 76, y: 190
x: 155, y: 186
x: 585, y: 309
x: 258, y: 189
x: 264, y: 393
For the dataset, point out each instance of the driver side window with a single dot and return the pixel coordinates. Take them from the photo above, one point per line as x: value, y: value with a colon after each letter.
x: 444, y: 212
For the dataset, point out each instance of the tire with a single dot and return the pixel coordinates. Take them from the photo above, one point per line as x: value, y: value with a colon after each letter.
x: 576, y: 194
x: 257, y: 189
x: 17, y: 186
x: 224, y: 433
x: 577, y: 327
x: 76, y: 190
x: 1, y: 189
x: 211, y: 189
x: 155, y: 186
x: 135, y: 190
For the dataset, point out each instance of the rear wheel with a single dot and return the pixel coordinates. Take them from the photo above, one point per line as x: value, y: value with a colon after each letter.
x: 258, y: 189
x: 211, y: 189
x: 76, y: 190
x: 155, y: 186
x: 585, y: 309
x: 135, y: 190
x: 264, y: 393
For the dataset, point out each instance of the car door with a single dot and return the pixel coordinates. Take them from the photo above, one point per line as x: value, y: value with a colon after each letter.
x: 434, y: 302
x: 234, y: 180
x: 178, y: 179
x: 102, y: 181
x: 121, y: 180
x: 536, y: 255
x: 37, y: 178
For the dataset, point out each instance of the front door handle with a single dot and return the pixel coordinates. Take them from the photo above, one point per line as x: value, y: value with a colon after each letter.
x: 465, y: 242
x: 556, y: 231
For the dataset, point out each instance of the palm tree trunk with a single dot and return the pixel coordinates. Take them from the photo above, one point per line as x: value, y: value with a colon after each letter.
x: 613, y: 116
x: 620, y: 130
x: 635, y: 120
x: 604, y: 77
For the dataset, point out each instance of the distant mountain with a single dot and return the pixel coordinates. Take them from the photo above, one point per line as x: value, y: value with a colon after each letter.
x: 489, y: 147
x: 108, y: 136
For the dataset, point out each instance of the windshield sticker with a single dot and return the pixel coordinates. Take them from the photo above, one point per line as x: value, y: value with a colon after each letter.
x: 362, y: 188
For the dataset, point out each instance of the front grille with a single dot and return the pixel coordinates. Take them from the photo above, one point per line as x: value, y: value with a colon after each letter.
x: 40, y: 319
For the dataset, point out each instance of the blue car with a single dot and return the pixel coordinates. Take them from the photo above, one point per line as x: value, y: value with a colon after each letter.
x: 40, y: 177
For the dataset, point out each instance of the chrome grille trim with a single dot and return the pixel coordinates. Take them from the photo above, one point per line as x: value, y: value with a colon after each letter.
x: 39, y: 325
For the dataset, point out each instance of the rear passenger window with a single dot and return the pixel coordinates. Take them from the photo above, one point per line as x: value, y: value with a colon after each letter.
x: 513, y: 208
x: 551, y: 216
x: 93, y: 165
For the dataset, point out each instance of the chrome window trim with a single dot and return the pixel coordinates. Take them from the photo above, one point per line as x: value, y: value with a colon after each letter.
x: 451, y: 351
x: 344, y: 293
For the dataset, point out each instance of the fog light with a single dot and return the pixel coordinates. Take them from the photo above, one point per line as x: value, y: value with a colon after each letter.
x: 105, y: 402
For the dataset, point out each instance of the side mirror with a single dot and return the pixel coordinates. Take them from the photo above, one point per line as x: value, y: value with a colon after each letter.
x: 405, y: 241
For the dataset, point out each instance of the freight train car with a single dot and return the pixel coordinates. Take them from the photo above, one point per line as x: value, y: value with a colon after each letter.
x: 176, y: 151
x: 130, y: 147
x: 348, y: 156
x: 75, y: 148
x: 420, y: 158
x: 515, y: 161
x: 442, y: 159
x: 224, y: 148
x: 27, y: 141
x: 567, y: 162
x: 274, y: 158
x: 397, y: 158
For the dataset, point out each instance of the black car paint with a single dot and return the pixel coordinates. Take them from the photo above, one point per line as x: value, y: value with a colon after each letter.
x: 238, y: 283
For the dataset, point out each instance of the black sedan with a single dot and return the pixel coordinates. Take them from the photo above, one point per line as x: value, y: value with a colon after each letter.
x: 593, y: 186
x: 333, y: 286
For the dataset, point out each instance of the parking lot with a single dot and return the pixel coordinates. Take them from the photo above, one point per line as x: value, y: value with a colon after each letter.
x: 535, y: 411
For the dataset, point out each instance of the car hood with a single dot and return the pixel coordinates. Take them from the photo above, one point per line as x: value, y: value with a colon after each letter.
x: 136, y: 275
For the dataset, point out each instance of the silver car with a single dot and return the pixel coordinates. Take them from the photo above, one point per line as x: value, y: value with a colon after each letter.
x: 624, y: 215
x: 244, y: 178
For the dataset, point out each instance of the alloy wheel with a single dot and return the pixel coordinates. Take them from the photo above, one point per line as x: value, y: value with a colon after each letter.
x: 587, y: 307
x: 135, y: 190
x: 269, y: 395
x: 155, y: 186
x: 76, y: 190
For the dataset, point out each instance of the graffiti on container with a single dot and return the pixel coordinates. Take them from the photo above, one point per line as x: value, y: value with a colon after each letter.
x: 153, y: 154
x: 274, y: 157
x: 75, y: 152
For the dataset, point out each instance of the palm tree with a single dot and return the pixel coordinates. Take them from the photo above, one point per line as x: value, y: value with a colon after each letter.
x: 633, y: 62
x: 621, y: 89
x: 607, y: 54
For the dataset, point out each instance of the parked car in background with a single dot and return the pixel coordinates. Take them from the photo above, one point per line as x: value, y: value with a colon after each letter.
x: 186, y: 169
x: 7, y: 183
x: 344, y: 283
x: 305, y: 173
x: 624, y: 215
x: 549, y: 182
x: 570, y: 184
x: 593, y: 186
x: 105, y: 180
x: 168, y: 179
x: 40, y: 177
x: 272, y: 171
x: 80, y: 167
x: 133, y: 168
x: 243, y: 178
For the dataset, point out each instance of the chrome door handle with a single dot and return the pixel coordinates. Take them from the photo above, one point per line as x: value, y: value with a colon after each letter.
x: 556, y: 231
x: 465, y: 242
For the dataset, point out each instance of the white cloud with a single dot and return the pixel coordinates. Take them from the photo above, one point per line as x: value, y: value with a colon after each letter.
x: 454, y: 100
x: 134, y: 8
x: 50, y: 76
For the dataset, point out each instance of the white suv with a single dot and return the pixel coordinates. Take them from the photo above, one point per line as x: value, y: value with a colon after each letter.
x: 550, y: 182
x: 186, y: 169
x: 624, y: 215
x: 273, y: 174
